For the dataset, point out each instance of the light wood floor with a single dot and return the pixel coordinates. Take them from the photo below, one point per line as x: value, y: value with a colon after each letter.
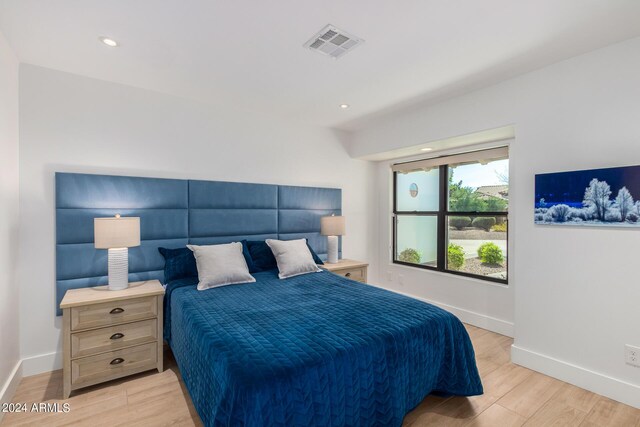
x: 514, y: 396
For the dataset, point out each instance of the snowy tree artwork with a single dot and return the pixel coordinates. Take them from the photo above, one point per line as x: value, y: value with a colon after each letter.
x: 596, y: 197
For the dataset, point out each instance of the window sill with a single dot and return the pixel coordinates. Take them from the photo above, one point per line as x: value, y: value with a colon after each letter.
x: 501, y: 285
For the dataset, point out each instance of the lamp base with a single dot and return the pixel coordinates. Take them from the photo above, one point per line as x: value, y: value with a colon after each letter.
x: 332, y: 249
x: 118, y: 269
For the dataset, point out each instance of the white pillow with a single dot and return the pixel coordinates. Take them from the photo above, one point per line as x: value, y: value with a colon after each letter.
x: 220, y: 265
x: 293, y: 257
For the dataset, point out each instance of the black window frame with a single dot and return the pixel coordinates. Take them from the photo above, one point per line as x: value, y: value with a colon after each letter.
x: 442, y: 215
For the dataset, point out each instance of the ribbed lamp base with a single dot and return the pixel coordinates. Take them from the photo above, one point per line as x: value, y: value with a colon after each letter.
x: 332, y: 249
x: 118, y: 269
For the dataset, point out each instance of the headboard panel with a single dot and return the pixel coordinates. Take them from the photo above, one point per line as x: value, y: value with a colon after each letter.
x: 222, y: 212
x: 300, y: 210
x: 173, y: 213
x: 161, y: 204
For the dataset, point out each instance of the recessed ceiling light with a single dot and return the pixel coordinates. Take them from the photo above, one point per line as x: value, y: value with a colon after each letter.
x: 344, y: 106
x: 426, y: 149
x: 109, y: 42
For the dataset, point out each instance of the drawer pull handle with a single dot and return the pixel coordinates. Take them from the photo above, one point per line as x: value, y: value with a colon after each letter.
x: 117, y: 310
x: 347, y: 275
x: 116, y: 361
x: 116, y: 336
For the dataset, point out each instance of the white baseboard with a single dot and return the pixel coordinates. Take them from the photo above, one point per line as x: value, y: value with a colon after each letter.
x: 41, y: 363
x: 10, y: 386
x: 483, y: 321
x: 480, y: 320
x: 596, y: 382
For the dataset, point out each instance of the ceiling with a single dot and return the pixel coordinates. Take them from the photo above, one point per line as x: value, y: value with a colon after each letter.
x: 248, y: 54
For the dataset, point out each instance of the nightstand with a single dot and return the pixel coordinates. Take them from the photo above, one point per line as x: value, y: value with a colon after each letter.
x: 354, y: 270
x: 111, y: 334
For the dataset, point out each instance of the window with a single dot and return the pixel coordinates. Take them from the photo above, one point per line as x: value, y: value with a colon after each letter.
x: 450, y: 214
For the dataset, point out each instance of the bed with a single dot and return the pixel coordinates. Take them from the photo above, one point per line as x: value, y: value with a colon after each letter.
x: 316, y: 349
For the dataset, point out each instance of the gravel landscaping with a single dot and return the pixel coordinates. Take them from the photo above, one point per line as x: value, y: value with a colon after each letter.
x: 474, y: 266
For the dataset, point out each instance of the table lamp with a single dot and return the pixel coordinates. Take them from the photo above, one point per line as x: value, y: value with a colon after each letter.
x: 332, y: 227
x: 117, y: 234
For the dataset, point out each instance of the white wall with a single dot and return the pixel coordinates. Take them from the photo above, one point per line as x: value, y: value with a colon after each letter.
x: 9, y: 327
x: 577, y: 291
x: 76, y: 124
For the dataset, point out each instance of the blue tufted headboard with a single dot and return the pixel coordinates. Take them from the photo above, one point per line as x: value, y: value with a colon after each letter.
x: 173, y: 213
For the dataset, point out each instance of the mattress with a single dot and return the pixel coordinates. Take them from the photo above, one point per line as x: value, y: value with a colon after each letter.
x: 313, y: 350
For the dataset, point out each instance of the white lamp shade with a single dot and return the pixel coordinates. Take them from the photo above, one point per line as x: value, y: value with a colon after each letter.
x: 116, y: 232
x: 332, y: 226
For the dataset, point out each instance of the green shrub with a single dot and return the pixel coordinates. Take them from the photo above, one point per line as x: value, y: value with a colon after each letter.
x: 495, y: 204
x: 500, y: 227
x: 409, y: 255
x: 490, y: 253
x: 455, y: 257
x: 484, y: 222
x: 460, y: 222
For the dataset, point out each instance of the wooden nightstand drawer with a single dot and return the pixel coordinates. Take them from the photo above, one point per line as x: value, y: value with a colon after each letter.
x: 111, y: 334
x: 113, y: 364
x: 110, y: 313
x: 354, y: 270
x: 358, y: 274
x: 111, y: 338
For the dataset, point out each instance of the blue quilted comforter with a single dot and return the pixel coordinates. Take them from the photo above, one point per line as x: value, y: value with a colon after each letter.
x: 316, y: 349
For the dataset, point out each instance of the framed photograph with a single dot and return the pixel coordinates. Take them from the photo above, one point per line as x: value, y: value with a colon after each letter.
x: 596, y: 197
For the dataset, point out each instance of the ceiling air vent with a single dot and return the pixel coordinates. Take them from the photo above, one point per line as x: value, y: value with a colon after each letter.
x: 333, y: 42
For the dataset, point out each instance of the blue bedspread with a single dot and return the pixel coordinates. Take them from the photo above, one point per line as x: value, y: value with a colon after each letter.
x: 316, y: 349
